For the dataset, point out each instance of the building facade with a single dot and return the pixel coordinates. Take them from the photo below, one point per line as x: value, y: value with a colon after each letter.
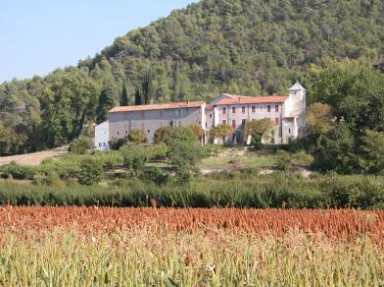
x: 287, y: 113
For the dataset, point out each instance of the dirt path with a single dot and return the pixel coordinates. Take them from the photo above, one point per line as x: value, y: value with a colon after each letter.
x: 33, y: 158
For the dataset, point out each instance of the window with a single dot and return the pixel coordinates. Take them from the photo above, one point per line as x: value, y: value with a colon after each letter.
x: 210, y: 115
x: 224, y: 122
x: 206, y: 125
x: 276, y: 108
x: 243, y: 110
x: 268, y: 108
x: 224, y: 111
x: 99, y: 144
x: 233, y: 110
x: 148, y: 131
x: 289, y: 131
x: 253, y: 109
x: 243, y: 122
x: 234, y: 124
x: 105, y: 144
x: 118, y: 133
x: 276, y: 121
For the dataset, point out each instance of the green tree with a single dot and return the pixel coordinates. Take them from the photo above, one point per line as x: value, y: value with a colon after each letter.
x: 124, y: 98
x: 259, y: 130
x: 135, y: 157
x: 373, y: 151
x: 221, y: 131
x: 137, y: 136
x: 184, y: 155
x: 335, y: 151
x: 91, y: 171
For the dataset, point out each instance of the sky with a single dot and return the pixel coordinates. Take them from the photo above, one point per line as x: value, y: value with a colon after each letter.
x: 38, y: 36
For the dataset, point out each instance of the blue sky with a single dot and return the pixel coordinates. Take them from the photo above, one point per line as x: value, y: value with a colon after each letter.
x: 39, y: 36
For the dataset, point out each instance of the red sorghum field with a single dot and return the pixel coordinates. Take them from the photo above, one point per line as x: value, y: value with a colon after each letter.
x: 78, y: 246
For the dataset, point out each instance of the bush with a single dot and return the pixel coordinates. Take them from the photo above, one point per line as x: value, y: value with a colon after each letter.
x: 135, y: 156
x: 14, y: 171
x: 82, y: 145
x: 117, y: 143
x: 137, y: 136
x: 91, y: 172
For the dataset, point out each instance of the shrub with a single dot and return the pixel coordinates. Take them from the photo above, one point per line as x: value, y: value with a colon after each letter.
x: 81, y: 145
x: 135, y: 157
x: 117, y: 143
x: 15, y: 171
x: 137, y: 136
x: 91, y: 172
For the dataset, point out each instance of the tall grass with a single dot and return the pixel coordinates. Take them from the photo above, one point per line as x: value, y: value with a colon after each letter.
x: 147, y: 256
x: 253, y: 192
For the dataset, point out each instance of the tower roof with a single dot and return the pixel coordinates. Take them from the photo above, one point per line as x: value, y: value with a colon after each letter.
x: 297, y: 87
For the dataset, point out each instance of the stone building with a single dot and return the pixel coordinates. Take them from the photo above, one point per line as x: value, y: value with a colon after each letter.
x: 287, y: 113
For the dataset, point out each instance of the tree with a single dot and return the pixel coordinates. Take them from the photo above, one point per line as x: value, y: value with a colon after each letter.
x: 137, y: 136
x: 124, y: 99
x: 184, y: 155
x: 335, y: 150
x: 373, y: 152
x: 69, y: 101
x: 198, y: 131
x: 258, y: 129
x: 319, y: 118
x: 163, y: 134
x: 105, y: 103
x: 135, y: 157
x: 221, y: 131
x: 91, y: 172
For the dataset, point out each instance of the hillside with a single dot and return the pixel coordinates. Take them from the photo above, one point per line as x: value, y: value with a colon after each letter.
x: 245, y: 47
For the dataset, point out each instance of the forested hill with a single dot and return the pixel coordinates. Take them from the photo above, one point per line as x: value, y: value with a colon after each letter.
x: 235, y: 46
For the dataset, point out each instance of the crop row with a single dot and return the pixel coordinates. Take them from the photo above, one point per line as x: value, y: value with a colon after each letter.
x: 335, y: 224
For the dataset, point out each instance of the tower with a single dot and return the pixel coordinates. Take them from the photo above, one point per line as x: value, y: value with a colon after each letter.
x: 297, y: 97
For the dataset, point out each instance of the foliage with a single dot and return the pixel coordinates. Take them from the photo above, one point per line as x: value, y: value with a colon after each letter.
x: 135, y: 156
x: 198, y: 131
x: 163, y: 134
x: 91, y: 172
x: 117, y: 143
x: 319, y: 118
x: 221, y: 131
x: 259, y: 130
x: 334, y: 151
x: 184, y: 155
x: 373, y: 149
x: 51, y: 111
x: 137, y: 136
x: 81, y: 145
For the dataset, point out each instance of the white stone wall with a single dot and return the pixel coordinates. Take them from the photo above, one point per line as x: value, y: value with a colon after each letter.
x: 121, y: 123
x: 101, y: 140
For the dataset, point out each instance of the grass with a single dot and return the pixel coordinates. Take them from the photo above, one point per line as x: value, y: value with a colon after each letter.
x: 147, y: 256
x: 238, y: 158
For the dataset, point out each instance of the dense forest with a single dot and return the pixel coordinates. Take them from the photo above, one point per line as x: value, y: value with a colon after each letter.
x: 245, y: 47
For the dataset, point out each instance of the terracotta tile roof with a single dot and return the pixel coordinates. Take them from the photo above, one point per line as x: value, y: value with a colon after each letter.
x: 251, y: 100
x: 157, y: 107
